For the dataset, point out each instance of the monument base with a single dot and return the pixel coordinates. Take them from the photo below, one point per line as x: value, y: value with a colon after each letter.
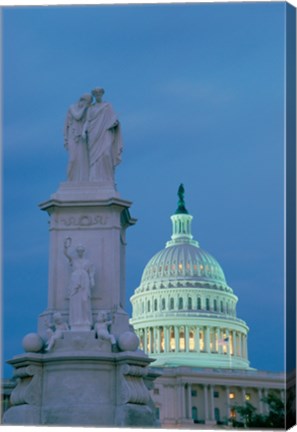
x: 81, y: 385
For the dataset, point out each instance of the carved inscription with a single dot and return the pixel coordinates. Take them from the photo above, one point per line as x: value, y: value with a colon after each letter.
x: 79, y: 221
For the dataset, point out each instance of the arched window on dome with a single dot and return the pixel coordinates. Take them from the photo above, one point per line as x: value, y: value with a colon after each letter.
x: 172, y: 343
x: 189, y: 303
x: 180, y: 303
x: 207, y: 305
x: 222, y: 306
x: 215, y: 305
x: 163, y: 303
x: 199, y: 303
x: 142, y: 307
x: 227, y: 308
x: 171, y: 303
x: 155, y: 305
x: 148, y: 306
x: 182, y: 342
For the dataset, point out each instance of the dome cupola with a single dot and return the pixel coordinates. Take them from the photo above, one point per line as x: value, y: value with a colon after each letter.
x: 183, y: 311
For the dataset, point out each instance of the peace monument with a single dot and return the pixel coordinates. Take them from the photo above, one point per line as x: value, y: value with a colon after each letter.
x: 83, y: 366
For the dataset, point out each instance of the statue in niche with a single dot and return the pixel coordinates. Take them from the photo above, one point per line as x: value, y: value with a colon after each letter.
x: 102, y: 134
x: 55, y: 331
x: 81, y: 282
x: 78, y: 164
x: 101, y: 329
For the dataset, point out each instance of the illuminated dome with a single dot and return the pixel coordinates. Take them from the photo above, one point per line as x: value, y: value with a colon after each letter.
x: 183, y: 311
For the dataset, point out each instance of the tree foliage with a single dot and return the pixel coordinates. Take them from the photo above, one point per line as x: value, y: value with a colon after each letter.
x: 250, y: 418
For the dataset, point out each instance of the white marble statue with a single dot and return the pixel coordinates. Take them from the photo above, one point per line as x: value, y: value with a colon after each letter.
x: 103, y: 136
x: 78, y: 164
x: 101, y: 328
x: 55, y: 331
x: 81, y: 282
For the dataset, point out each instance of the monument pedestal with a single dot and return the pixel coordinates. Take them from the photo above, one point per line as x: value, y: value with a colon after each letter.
x: 81, y: 383
x: 92, y: 374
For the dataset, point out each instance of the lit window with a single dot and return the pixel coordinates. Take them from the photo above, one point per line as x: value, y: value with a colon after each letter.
x: 188, y: 266
x: 195, y: 267
x: 173, y: 267
x: 247, y: 397
x: 180, y: 266
x: 233, y: 413
x: 201, y: 267
x: 231, y: 395
x: 191, y: 340
x: 182, y: 344
x: 172, y: 339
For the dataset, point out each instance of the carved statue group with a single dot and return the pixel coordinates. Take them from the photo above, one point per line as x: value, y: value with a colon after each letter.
x: 81, y: 281
x: 92, y: 136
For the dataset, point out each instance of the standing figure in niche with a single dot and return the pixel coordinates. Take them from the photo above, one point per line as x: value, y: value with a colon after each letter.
x: 81, y: 282
x: 103, y: 136
x: 55, y: 331
x: 78, y: 164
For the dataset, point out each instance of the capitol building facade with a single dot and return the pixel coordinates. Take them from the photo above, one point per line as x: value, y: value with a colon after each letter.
x: 184, y: 313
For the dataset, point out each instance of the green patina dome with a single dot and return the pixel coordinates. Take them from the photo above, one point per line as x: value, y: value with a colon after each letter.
x: 184, y: 262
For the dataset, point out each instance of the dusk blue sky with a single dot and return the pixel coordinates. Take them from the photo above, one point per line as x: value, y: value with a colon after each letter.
x: 199, y: 91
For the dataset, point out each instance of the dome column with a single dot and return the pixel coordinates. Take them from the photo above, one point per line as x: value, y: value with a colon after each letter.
x: 166, y: 339
x: 240, y: 344
x: 206, y: 340
x: 176, y: 337
x: 246, y: 347
x: 155, y: 341
x: 145, y: 340
x: 187, y: 338
x: 234, y: 343
x: 220, y: 344
x: 228, y: 343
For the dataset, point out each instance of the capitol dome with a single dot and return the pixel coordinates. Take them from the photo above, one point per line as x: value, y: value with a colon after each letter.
x: 183, y: 311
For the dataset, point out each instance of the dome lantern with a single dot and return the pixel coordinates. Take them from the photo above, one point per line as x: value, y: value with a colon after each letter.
x: 181, y: 223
